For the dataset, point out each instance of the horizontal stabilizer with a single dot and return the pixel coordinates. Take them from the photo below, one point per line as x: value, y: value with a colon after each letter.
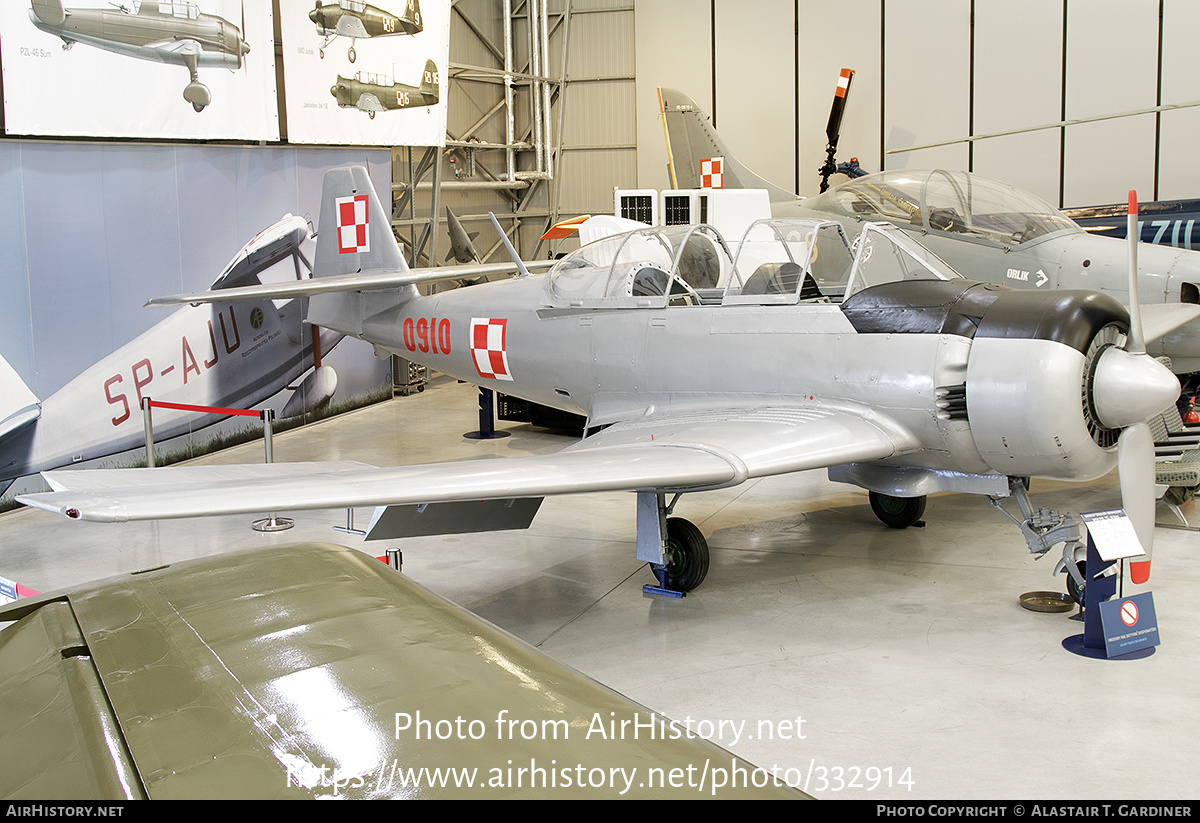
x: 377, y: 281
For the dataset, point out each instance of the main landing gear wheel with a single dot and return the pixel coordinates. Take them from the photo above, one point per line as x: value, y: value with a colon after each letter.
x: 686, y: 553
x: 897, y: 512
x: 351, y: 54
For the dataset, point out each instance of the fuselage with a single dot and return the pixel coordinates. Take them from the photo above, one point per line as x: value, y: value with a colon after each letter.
x: 149, y: 35
x: 350, y: 92
x: 982, y: 401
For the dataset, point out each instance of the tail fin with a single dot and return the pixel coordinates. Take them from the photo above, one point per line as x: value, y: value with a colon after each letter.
x: 692, y: 138
x: 429, y: 83
x: 50, y: 12
x: 354, y: 232
x: 18, y: 405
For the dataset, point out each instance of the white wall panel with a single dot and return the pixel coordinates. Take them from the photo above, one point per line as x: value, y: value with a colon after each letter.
x: 756, y: 85
x: 1018, y: 84
x: 914, y: 81
x: 1112, y: 58
x: 926, y: 80
x: 1179, y: 170
x: 673, y: 49
x: 824, y: 52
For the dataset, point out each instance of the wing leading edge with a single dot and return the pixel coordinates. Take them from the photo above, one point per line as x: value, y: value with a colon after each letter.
x: 685, y: 452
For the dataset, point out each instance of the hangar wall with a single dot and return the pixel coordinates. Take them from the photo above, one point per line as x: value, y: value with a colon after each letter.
x: 931, y: 70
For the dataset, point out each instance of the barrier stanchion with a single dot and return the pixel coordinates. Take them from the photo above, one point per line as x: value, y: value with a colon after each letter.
x: 148, y: 425
x: 268, y: 524
x: 272, y: 523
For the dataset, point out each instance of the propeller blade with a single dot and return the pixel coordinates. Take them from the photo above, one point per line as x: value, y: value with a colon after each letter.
x: 1135, y: 445
x: 834, y: 127
x: 1135, y: 464
x: 244, y: 45
x: 1137, y: 339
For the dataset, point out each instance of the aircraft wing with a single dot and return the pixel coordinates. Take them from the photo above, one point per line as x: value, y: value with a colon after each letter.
x: 666, y: 452
x: 1160, y: 319
x: 374, y: 281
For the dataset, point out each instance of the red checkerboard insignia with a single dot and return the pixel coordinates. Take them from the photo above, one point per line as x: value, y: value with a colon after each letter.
x: 711, y: 172
x: 487, y: 347
x: 352, y: 224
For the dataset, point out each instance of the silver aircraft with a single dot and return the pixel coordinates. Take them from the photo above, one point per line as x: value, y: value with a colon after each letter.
x: 222, y: 354
x: 162, y: 31
x: 995, y: 232
x: 696, y: 371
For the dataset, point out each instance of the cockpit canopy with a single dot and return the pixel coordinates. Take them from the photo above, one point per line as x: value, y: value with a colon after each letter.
x: 169, y: 8
x: 778, y: 261
x: 950, y: 201
x: 647, y: 267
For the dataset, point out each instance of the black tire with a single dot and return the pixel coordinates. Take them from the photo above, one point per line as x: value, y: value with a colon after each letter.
x: 686, y: 556
x: 1072, y: 588
x: 351, y: 54
x: 897, y: 512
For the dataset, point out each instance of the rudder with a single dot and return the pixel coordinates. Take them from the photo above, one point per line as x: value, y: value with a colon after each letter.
x: 354, y: 232
x: 50, y: 12
x: 692, y: 138
x: 429, y: 83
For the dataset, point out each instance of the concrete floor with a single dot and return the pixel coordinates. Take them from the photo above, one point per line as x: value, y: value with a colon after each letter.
x: 905, y: 654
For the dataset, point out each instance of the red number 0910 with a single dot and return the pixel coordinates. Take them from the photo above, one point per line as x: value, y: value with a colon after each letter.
x: 427, y: 335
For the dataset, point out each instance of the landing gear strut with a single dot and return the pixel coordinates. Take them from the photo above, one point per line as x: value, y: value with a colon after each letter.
x: 1045, y: 528
x: 675, y: 549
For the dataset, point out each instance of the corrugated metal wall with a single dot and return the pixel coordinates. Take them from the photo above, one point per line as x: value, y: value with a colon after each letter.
x: 593, y: 129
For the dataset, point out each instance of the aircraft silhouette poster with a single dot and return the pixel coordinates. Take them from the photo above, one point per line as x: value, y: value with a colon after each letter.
x: 139, y: 68
x: 363, y: 73
x: 144, y: 220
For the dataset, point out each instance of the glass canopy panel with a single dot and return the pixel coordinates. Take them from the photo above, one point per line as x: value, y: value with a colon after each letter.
x: 954, y: 202
x: 884, y: 254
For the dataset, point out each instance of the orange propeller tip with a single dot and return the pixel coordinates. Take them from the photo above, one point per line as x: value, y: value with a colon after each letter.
x: 1139, y: 572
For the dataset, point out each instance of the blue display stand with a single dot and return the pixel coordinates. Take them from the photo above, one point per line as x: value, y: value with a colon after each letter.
x: 1102, y: 618
x: 487, y: 426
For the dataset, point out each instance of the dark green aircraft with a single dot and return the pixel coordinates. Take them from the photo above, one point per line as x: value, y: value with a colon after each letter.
x: 315, y: 671
x: 355, y: 19
x: 375, y: 92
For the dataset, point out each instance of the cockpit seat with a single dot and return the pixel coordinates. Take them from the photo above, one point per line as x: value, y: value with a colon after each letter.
x: 782, y: 278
